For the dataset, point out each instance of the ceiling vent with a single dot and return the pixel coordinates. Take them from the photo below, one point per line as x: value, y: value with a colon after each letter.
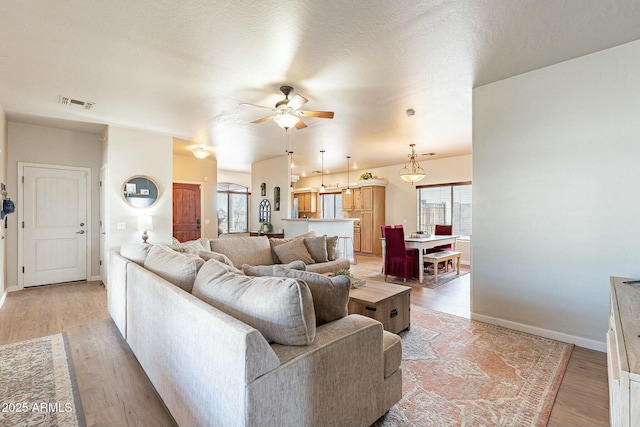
x: 65, y: 100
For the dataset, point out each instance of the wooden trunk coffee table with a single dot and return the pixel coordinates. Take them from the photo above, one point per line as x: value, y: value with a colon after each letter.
x: 384, y: 302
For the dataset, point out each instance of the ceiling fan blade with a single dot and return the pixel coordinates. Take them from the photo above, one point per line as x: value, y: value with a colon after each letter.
x: 319, y: 114
x: 300, y: 125
x: 262, y: 120
x: 297, y: 101
x: 246, y: 104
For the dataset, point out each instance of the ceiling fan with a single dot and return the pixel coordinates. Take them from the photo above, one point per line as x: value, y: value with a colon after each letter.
x: 287, y: 111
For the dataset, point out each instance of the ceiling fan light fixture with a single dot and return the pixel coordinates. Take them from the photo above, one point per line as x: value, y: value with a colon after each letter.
x: 286, y: 119
x: 200, y: 152
x: 412, y: 172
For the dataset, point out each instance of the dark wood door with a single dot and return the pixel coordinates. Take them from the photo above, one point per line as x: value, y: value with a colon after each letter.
x: 186, y: 211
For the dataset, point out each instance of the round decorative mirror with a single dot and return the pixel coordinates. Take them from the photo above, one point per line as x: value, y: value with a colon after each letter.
x: 140, y: 191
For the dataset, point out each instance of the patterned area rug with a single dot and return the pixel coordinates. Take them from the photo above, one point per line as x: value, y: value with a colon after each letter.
x: 38, y: 385
x: 443, y: 277
x: 459, y: 372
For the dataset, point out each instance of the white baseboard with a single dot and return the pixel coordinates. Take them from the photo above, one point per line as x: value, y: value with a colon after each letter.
x: 554, y: 335
x: 95, y: 279
x: 3, y: 297
x: 465, y: 263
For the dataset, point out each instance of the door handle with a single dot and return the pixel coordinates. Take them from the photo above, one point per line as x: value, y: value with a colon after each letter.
x: 80, y: 232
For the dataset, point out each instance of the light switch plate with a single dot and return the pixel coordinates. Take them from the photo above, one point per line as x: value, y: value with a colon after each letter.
x: 121, y: 226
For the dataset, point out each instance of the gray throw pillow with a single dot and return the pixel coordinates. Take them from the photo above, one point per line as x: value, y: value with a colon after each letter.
x: 330, y: 294
x: 279, y: 307
x: 175, y: 267
x: 292, y: 251
x: 267, y: 270
x: 136, y: 252
x: 317, y: 247
x: 332, y: 244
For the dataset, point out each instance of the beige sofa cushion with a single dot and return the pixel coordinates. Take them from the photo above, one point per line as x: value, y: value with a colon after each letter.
x: 175, y: 267
x: 207, y: 255
x: 192, y: 246
x: 293, y: 250
x: 317, y: 247
x: 244, y: 250
x: 136, y: 252
x: 279, y: 307
x: 330, y: 294
x: 267, y: 270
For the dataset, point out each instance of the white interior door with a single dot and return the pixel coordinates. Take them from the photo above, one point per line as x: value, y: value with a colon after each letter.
x: 55, y: 225
x: 103, y: 228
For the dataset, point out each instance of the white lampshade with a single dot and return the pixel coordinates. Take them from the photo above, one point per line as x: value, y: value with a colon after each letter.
x: 286, y: 120
x: 145, y: 223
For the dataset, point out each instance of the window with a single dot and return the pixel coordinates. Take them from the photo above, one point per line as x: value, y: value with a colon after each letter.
x: 233, y: 208
x: 448, y: 204
x: 331, y: 205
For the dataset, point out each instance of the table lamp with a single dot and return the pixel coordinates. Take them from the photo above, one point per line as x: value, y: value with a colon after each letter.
x: 145, y: 223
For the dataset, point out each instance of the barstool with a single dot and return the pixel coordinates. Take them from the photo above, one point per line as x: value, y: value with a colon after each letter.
x: 345, y: 248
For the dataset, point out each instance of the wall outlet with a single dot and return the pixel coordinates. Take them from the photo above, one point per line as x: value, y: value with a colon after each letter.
x: 207, y: 222
x: 121, y: 226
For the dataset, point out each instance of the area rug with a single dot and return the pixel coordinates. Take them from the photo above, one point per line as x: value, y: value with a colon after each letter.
x: 459, y: 372
x: 38, y: 385
x: 443, y: 277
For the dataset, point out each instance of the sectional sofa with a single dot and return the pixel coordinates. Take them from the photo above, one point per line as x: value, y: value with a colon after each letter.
x: 226, y: 349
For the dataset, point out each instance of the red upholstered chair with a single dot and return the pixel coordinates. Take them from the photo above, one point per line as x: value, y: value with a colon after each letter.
x: 396, y: 261
x: 410, y: 251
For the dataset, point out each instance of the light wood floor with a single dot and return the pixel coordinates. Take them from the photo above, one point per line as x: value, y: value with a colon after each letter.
x: 115, y: 391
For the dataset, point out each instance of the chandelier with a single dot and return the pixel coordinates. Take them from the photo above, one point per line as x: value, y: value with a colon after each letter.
x: 412, y: 172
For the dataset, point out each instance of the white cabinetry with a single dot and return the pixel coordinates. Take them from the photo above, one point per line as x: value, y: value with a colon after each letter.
x: 623, y: 354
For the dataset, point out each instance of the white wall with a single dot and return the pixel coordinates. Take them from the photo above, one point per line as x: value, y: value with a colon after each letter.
x: 45, y: 145
x: 400, y: 196
x: 274, y: 172
x: 135, y: 152
x: 555, y: 194
x: 239, y: 178
x: 191, y: 170
x: 3, y: 179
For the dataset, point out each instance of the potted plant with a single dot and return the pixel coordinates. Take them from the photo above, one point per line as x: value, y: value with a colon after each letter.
x: 366, y: 175
x: 266, y: 227
x: 355, y: 283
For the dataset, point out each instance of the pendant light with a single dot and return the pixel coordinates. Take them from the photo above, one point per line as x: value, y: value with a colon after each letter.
x: 322, y: 187
x: 412, y: 172
x: 348, y: 191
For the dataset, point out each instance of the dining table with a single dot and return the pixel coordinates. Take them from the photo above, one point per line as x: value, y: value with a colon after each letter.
x: 422, y: 243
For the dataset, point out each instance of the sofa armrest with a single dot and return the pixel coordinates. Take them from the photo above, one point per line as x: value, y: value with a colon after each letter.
x: 198, y: 358
x: 337, y: 380
x: 117, y: 291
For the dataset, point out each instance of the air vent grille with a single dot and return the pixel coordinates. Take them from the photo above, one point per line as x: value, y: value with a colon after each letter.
x: 65, y: 100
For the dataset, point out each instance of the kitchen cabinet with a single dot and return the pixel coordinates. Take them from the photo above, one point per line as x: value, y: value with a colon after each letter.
x: 366, y: 202
x: 307, y: 201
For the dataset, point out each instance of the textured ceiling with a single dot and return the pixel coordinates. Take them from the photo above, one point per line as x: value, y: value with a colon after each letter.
x: 183, y: 67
